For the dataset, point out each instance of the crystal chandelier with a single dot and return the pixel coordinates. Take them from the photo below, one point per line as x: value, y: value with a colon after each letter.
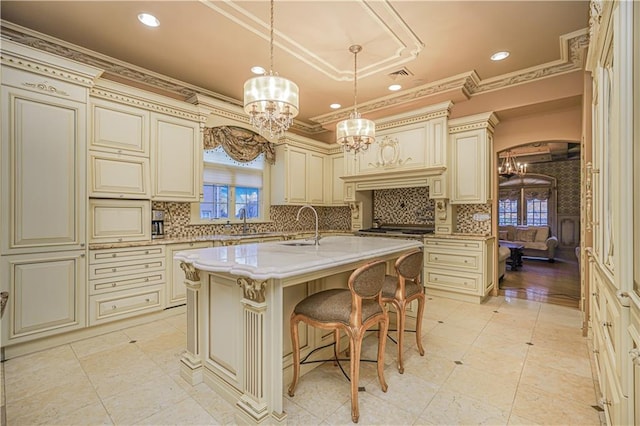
x: 356, y: 133
x: 271, y: 101
x: 510, y: 167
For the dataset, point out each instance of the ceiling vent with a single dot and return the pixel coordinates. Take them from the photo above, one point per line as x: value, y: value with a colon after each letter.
x: 400, y: 74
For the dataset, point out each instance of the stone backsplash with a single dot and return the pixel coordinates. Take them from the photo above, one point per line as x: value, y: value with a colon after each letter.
x: 283, y: 219
x: 466, y: 224
x: 404, y: 206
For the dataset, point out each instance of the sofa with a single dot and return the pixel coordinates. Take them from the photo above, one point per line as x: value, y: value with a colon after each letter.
x: 537, y: 240
x: 503, y: 255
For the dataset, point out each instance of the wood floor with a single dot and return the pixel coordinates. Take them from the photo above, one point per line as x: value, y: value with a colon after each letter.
x: 538, y: 280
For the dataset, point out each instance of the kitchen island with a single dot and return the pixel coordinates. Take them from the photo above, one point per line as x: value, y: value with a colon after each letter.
x: 239, y: 299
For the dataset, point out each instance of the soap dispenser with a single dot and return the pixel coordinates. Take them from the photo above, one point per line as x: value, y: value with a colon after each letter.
x: 227, y: 228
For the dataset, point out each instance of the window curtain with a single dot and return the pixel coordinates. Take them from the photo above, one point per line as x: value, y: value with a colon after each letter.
x: 510, y: 194
x: 241, y: 144
x: 537, y: 193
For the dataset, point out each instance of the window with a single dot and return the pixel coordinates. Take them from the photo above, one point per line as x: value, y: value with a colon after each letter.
x: 508, y: 212
x: 230, y: 186
x: 526, y: 201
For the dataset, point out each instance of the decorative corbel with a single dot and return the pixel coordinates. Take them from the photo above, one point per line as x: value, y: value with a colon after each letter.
x: 253, y: 290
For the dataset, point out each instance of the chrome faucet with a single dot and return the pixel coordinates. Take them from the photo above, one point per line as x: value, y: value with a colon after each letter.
x: 308, y: 206
x: 243, y: 217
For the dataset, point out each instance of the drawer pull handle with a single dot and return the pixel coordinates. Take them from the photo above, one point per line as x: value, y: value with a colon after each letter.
x: 147, y: 279
x: 147, y: 300
x: 146, y: 266
x: 113, y: 269
x: 466, y: 261
x: 595, y: 351
x: 113, y: 307
x: 113, y: 255
x: 594, y: 294
x: 113, y: 284
x: 435, y: 258
x: 606, y: 324
x: 146, y: 252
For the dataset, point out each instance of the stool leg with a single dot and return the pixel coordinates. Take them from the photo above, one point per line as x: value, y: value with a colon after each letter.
x: 419, y: 325
x: 354, y: 358
x: 336, y: 338
x: 296, y: 355
x: 401, y: 320
x: 382, y: 341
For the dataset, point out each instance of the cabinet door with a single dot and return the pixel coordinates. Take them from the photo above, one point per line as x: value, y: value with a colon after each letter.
x: 297, y: 175
x: 436, y: 140
x: 176, y: 290
x: 469, y: 167
x: 315, y: 178
x: 119, y: 220
x: 46, y: 294
x: 118, y: 176
x: 336, y: 185
x: 43, y: 172
x: 119, y: 128
x: 175, y: 159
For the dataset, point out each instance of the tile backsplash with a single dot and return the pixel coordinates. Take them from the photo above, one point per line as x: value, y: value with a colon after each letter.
x: 404, y: 206
x: 466, y: 224
x: 283, y: 218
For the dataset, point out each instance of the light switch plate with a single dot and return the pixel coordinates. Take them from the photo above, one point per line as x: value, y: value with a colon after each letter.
x: 481, y: 217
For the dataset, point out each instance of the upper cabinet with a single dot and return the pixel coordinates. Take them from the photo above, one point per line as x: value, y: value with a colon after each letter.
x: 470, y: 158
x: 334, y: 187
x: 136, y: 152
x: 118, y: 128
x: 43, y: 148
x: 176, y: 152
x: 299, y: 176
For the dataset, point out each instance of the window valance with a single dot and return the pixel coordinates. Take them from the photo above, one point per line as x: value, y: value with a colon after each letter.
x: 510, y: 194
x: 243, y: 145
x: 537, y: 193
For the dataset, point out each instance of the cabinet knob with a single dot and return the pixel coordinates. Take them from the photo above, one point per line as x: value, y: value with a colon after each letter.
x: 147, y: 300
x: 113, y: 269
x: 435, y: 258
x: 466, y: 261
x: 146, y: 252
x: 113, y: 255
x: 113, y: 307
x: 594, y: 294
x: 146, y: 266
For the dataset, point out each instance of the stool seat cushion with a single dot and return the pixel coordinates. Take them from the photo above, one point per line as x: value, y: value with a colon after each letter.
x: 334, y: 306
x: 390, y: 284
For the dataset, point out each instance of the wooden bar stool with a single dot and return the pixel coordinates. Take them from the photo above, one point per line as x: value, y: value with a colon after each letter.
x: 402, y: 289
x: 353, y: 310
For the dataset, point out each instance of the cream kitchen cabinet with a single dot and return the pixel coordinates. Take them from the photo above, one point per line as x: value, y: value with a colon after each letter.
x: 334, y: 188
x: 470, y: 158
x: 119, y: 129
x: 298, y: 176
x: 118, y: 176
x: 125, y: 282
x: 114, y: 221
x: 43, y: 167
x: 176, y: 290
x: 459, y: 268
x: 176, y: 153
x: 46, y: 294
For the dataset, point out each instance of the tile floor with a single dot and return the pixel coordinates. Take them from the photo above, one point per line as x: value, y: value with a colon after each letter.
x: 505, y: 362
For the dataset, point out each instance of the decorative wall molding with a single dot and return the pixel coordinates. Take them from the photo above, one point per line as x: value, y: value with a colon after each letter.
x: 468, y: 83
x: 46, y: 87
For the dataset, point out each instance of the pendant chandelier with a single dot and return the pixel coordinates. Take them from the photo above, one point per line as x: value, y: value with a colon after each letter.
x: 510, y: 167
x: 356, y: 133
x: 271, y: 101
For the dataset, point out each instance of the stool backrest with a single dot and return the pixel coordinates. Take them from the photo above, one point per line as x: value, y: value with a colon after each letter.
x: 367, y: 280
x: 409, y: 265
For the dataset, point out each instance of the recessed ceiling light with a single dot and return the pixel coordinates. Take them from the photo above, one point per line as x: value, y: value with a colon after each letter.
x: 498, y: 56
x: 335, y: 106
x: 149, y: 20
x: 395, y: 87
x: 258, y: 70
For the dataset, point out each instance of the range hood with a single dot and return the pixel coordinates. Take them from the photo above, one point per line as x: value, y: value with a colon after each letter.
x: 408, y: 178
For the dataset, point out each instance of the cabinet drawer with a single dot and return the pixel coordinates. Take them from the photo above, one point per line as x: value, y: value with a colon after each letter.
x: 126, y: 282
x: 465, y: 261
x: 103, y: 256
x: 118, y: 176
x: 454, y: 280
x: 114, y: 269
x: 455, y: 244
x: 123, y: 304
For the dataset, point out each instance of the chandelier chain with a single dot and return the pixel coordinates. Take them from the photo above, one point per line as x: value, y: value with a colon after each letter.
x: 271, y: 39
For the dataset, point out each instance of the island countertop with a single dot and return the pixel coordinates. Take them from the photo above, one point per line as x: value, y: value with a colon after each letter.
x: 283, y: 259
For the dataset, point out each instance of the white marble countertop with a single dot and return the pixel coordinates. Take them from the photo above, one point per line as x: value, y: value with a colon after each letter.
x: 283, y: 259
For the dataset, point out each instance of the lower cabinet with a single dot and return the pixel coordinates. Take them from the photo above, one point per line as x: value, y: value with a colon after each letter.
x: 176, y: 291
x: 459, y: 268
x: 46, y: 294
x: 126, y: 282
